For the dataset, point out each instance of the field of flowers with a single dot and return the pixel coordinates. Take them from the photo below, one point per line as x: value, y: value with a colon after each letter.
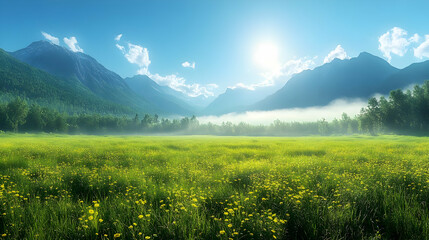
x: 196, y: 187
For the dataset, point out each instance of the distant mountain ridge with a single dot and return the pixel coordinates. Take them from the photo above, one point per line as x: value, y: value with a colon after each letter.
x: 64, y: 63
x: 73, y: 73
x: 358, y: 77
x: 415, y: 73
x: 145, y: 96
x: 236, y: 99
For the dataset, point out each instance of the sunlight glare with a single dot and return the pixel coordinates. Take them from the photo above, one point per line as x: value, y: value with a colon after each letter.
x: 266, y: 55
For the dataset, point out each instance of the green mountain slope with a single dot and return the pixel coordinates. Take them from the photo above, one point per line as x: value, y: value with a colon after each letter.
x: 66, y: 64
x: 20, y: 79
x: 158, y: 95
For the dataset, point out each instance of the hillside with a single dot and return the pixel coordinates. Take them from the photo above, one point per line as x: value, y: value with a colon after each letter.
x: 416, y: 73
x: 159, y: 96
x: 78, y: 66
x: 20, y: 79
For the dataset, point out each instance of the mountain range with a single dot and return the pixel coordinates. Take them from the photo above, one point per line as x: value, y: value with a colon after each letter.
x: 359, y: 77
x: 81, y: 67
x: 75, y: 82
x: 143, y: 96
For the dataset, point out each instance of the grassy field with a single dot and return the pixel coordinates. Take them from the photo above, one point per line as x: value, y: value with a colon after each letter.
x: 196, y: 187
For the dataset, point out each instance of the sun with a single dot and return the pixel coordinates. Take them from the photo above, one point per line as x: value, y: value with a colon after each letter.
x: 266, y: 55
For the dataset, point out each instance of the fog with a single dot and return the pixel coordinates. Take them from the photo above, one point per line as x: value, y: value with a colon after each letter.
x: 333, y: 110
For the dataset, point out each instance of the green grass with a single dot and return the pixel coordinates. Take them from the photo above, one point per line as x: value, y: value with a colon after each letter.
x: 196, y: 187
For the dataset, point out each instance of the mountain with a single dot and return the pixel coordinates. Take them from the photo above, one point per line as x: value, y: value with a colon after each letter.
x: 191, y: 103
x: 236, y: 100
x: 416, y: 73
x: 20, y: 79
x: 358, y: 77
x: 66, y: 64
x: 159, y: 96
x: 76, y: 82
x: 198, y: 103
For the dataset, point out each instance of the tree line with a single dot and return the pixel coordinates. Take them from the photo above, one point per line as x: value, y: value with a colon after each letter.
x: 18, y: 116
x: 402, y: 112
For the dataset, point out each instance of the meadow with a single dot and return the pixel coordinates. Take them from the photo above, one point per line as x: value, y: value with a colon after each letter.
x: 203, y: 187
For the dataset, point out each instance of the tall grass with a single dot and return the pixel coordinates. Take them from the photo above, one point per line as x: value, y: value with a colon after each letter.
x: 131, y: 187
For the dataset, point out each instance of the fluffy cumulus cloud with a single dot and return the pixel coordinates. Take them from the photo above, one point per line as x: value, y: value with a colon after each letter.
x: 118, y: 37
x: 395, y: 41
x: 51, y: 38
x: 338, y: 52
x: 73, y: 44
x: 135, y: 54
x: 139, y: 55
x: 188, y: 65
x: 423, y: 49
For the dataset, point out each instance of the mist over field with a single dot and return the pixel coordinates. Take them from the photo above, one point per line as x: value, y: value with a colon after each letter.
x: 334, y: 110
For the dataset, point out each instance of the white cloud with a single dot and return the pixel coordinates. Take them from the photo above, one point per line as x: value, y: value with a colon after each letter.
x: 212, y: 85
x: 51, y: 38
x: 415, y: 38
x: 338, y: 52
x: 143, y: 71
x: 242, y: 85
x: 179, y: 84
x: 295, y: 66
x: 395, y: 41
x: 118, y: 37
x: 287, y: 69
x: 423, y: 49
x: 72, y: 44
x: 188, y: 65
x: 122, y: 48
x: 139, y: 55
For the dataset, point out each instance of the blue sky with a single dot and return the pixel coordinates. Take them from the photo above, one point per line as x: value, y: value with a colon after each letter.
x: 227, y: 40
